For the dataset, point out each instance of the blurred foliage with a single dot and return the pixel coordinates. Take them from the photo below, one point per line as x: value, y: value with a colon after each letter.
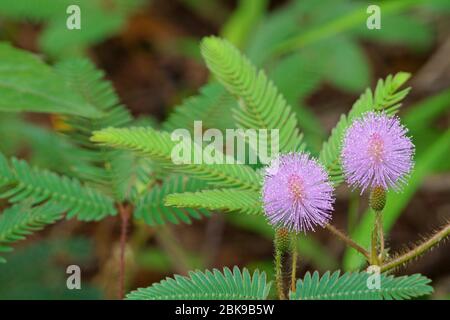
x: 37, y: 271
x: 100, y: 19
x: 302, y: 46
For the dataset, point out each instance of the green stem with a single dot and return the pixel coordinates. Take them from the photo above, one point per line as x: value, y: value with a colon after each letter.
x: 418, y: 250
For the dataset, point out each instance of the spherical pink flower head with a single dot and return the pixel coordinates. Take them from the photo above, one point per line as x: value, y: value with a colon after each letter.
x: 377, y: 152
x: 296, y: 193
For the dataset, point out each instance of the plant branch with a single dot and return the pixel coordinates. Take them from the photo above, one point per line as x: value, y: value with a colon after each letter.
x: 418, y: 250
x: 373, y: 247
x: 294, y: 256
x: 282, y: 245
x: 345, y: 238
x: 380, y: 232
x: 279, y: 274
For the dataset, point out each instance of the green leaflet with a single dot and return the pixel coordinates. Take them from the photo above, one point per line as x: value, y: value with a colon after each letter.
x: 20, y: 182
x: 208, y: 106
x: 28, y: 84
x: 387, y: 97
x: 21, y: 220
x: 229, y: 200
x: 208, y: 285
x: 261, y: 106
x: 159, y: 146
x: 152, y: 209
x: 354, y: 286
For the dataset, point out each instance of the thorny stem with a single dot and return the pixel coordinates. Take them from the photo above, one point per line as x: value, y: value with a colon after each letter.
x: 294, y: 257
x: 420, y: 249
x: 125, y: 213
x: 342, y: 236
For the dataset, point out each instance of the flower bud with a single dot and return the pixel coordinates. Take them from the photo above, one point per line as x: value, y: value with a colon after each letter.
x: 283, y: 239
x: 377, y: 198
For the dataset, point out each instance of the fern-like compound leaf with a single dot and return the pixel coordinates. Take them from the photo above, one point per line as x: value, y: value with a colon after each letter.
x: 387, y: 98
x: 208, y: 285
x: 110, y: 170
x: 159, y: 146
x: 261, y: 104
x: 20, y: 182
x: 152, y: 209
x: 228, y: 200
x: 208, y: 106
x: 359, y: 286
x: 21, y: 220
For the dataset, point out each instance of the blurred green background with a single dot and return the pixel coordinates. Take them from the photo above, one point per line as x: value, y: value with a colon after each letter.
x: 321, y: 56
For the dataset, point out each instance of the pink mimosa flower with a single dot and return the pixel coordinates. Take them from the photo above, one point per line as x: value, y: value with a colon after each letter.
x: 377, y: 153
x: 296, y: 193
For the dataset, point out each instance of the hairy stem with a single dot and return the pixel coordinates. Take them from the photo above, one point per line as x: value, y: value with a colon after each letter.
x: 125, y: 213
x: 345, y: 238
x: 373, y: 247
x: 380, y: 233
x: 418, y: 250
x: 279, y: 274
x: 282, y: 246
x: 377, y: 201
x: 294, y: 256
